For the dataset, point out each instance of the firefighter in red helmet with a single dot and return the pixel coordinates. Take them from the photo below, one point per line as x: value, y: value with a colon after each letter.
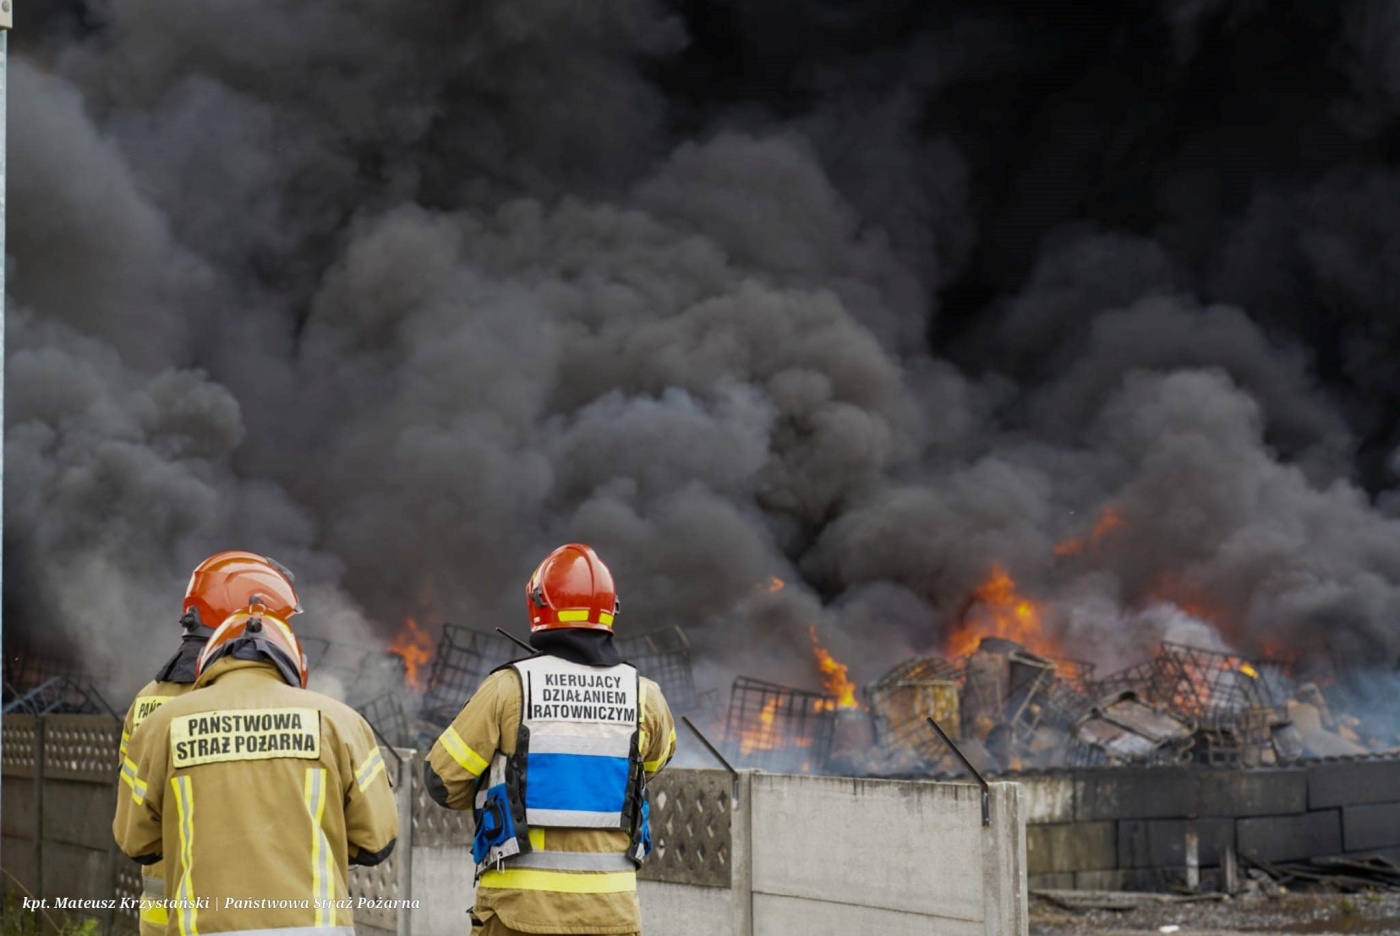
x: 254, y: 787
x: 553, y: 754
x: 224, y: 583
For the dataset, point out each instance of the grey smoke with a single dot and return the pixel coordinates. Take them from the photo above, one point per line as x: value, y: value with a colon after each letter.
x: 865, y: 297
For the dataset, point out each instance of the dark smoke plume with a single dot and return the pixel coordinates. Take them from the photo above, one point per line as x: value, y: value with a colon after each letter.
x: 867, y: 297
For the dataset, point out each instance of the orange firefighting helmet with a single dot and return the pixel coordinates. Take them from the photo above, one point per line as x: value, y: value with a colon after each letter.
x: 571, y: 588
x: 258, y: 629
x: 228, y: 582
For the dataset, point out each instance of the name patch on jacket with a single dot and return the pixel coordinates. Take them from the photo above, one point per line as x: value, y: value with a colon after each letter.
x: 250, y: 734
x: 589, y: 697
x: 145, y: 705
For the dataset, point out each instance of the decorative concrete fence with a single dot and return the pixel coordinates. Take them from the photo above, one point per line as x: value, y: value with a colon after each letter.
x: 752, y: 855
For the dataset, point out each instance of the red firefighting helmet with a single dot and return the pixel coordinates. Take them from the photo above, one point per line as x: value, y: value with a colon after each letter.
x: 571, y: 588
x: 228, y: 582
x: 270, y: 636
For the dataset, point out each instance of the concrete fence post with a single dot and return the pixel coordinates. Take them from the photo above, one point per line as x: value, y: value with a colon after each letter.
x: 1004, y: 864
x: 741, y: 856
x: 407, y: 792
x: 39, y: 805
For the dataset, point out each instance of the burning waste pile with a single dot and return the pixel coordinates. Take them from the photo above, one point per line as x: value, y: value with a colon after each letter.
x: 1011, y: 709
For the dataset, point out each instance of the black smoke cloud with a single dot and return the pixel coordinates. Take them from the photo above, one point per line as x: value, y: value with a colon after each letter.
x: 866, y: 297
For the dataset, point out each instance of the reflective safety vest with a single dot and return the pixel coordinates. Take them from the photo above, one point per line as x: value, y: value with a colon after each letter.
x: 576, y: 766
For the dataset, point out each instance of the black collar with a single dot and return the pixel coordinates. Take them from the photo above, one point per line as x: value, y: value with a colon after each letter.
x: 578, y: 645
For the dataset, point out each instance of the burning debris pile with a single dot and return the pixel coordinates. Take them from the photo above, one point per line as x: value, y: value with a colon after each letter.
x: 1012, y: 703
x: 1011, y: 710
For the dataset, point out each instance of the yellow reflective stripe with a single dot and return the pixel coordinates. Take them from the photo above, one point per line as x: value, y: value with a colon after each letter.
x: 184, y: 804
x: 371, y: 768
x: 573, y: 614
x: 154, y: 913
x: 652, y: 766
x: 561, y: 882
x: 605, y: 617
x: 537, y: 839
x: 131, y: 779
x: 472, y: 762
x: 126, y: 738
x: 315, y: 792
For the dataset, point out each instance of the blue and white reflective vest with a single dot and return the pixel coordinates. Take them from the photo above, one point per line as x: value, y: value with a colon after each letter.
x: 577, y: 765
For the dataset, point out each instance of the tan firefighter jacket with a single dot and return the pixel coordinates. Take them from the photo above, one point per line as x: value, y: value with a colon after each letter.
x: 151, y: 697
x: 258, y: 795
x: 545, y: 901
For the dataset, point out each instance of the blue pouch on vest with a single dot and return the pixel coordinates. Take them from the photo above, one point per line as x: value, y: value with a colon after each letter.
x: 494, y: 824
x: 646, y: 826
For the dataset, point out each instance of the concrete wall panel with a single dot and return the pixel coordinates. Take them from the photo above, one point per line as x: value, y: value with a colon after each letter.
x: 1366, y: 828
x: 1353, y: 783
x: 789, y: 916
x: 1134, y: 793
x: 1290, y: 838
x: 682, y: 910
x: 1161, y: 843
x: 17, y: 818
x: 443, y: 882
x: 1047, y: 799
x: 907, y: 847
x: 1059, y: 881
x: 1241, y: 793
x: 1071, y: 846
x: 79, y: 813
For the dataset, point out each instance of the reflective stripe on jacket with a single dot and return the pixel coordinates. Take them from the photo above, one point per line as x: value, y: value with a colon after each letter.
x: 152, y: 696
x: 575, y: 766
x: 526, y: 897
x: 287, y: 780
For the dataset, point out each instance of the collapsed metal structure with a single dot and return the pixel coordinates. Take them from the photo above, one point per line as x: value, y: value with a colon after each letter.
x: 39, y: 684
x: 1010, y: 710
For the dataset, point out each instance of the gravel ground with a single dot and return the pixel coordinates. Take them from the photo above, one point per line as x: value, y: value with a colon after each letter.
x: 1318, y: 914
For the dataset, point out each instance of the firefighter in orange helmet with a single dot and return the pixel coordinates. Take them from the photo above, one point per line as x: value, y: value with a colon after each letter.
x: 553, y: 754
x: 255, y: 790
x: 224, y: 583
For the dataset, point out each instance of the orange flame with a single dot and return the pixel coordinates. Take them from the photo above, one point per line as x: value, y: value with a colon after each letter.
x: 1249, y: 671
x: 834, y: 677
x: 997, y: 610
x: 763, y: 736
x: 413, y: 645
x: 1109, y: 520
x: 774, y: 584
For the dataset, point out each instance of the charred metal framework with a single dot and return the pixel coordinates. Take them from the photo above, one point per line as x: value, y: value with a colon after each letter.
x: 664, y: 656
x: 899, y: 702
x: 1124, y: 729
x: 1235, y: 703
x: 778, y: 728
x: 464, y: 657
x: 36, y: 684
x: 387, y: 718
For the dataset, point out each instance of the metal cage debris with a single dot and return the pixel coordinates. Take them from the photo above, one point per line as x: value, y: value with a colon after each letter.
x: 778, y: 728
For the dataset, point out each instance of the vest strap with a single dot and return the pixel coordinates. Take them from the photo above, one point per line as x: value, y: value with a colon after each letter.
x: 573, y: 861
